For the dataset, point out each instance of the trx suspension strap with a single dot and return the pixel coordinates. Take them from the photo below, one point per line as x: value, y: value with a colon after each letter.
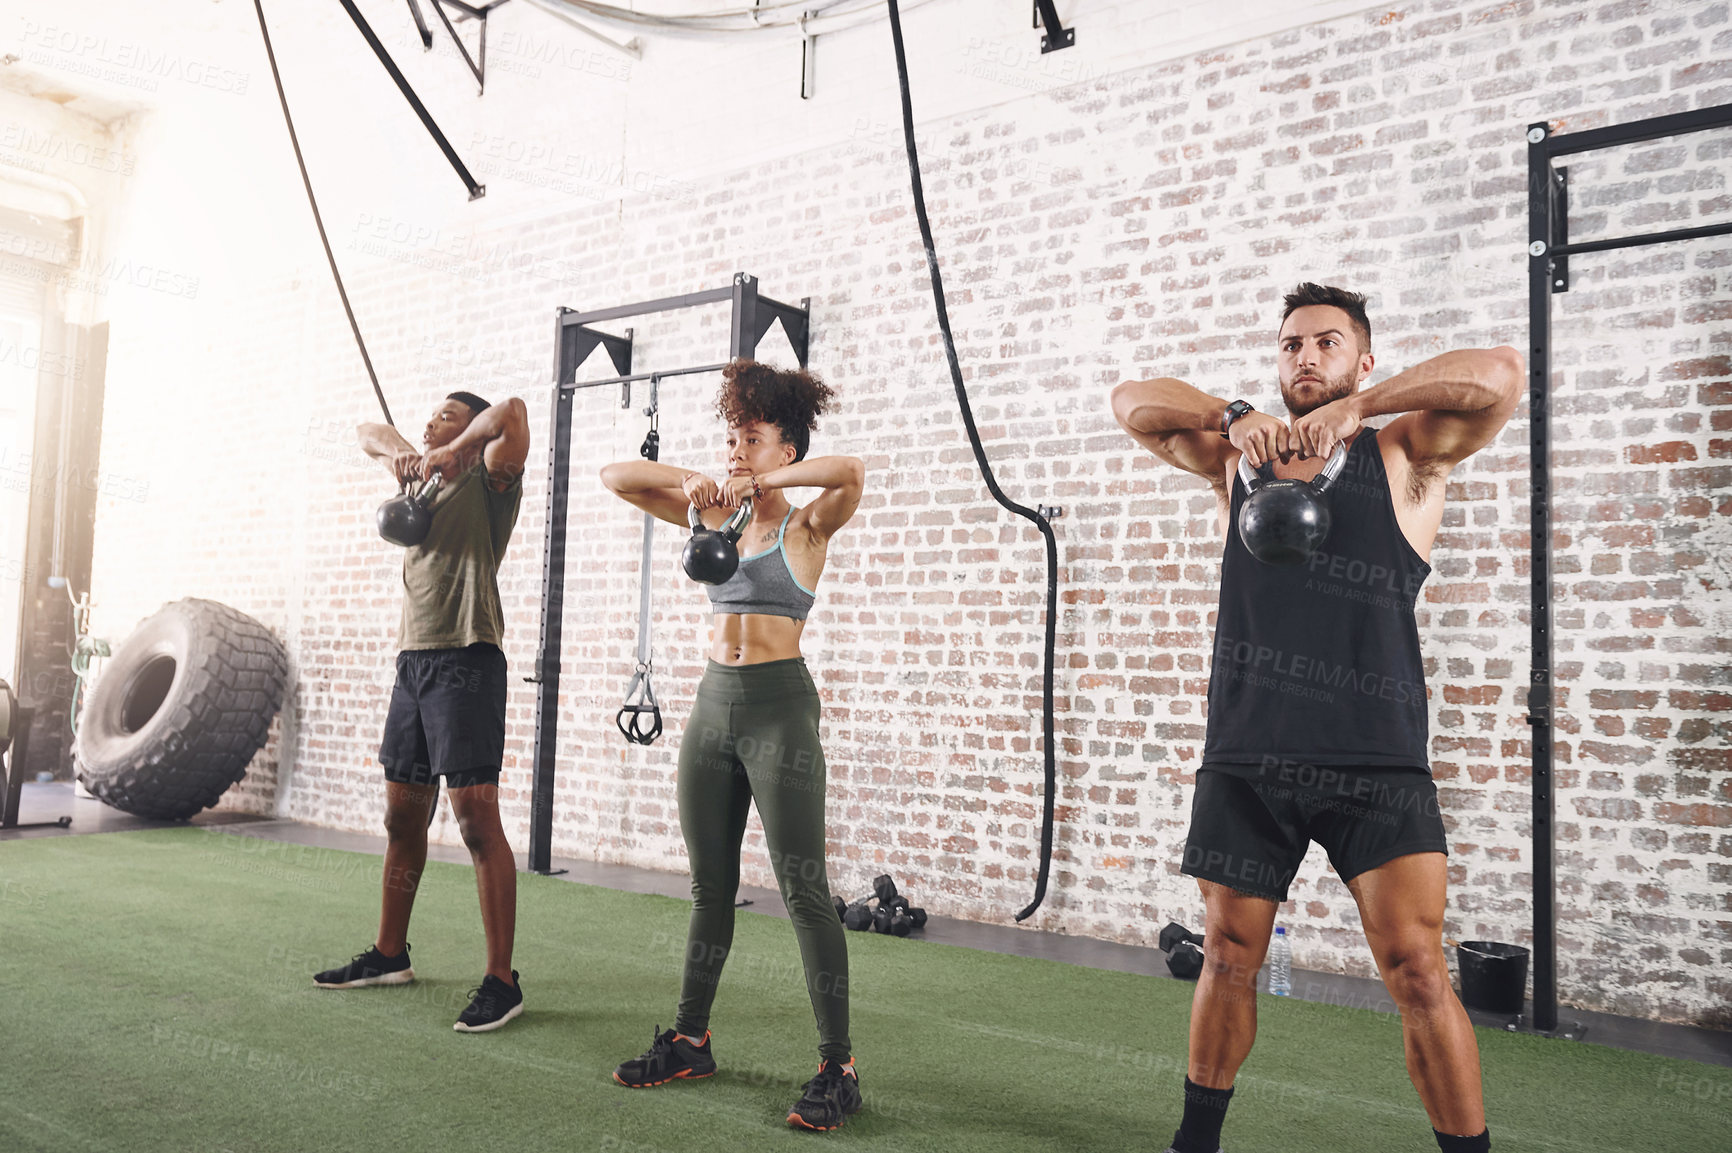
x: 640, y: 696
x: 1038, y: 517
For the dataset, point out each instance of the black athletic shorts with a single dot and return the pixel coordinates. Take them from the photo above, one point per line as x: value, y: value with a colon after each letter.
x: 447, y: 717
x: 1250, y: 828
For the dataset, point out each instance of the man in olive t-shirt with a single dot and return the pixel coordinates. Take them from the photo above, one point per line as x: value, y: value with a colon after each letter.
x: 447, y: 712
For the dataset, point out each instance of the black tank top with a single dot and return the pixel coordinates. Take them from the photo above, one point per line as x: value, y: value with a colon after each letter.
x: 1319, y: 663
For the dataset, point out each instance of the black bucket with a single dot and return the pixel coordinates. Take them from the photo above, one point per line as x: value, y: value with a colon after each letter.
x: 1494, y: 976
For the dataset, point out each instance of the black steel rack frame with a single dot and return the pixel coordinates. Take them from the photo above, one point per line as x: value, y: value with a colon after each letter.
x: 573, y: 341
x: 1549, y: 250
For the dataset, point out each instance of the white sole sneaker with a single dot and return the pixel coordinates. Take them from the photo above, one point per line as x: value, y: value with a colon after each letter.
x: 514, y: 1011
x: 401, y: 977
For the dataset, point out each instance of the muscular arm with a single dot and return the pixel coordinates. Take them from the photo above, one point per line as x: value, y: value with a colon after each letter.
x: 651, y: 486
x: 1452, y: 405
x: 1178, y: 423
x: 382, y: 442
x: 841, y: 477
x: 1182, y: 426
x: 498, y: 436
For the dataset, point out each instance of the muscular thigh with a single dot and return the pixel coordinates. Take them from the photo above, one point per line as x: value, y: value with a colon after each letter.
x: 1236, y: 920
x: 1401, y: 904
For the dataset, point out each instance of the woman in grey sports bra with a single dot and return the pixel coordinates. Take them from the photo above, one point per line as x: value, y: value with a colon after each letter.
x: 753, y: 732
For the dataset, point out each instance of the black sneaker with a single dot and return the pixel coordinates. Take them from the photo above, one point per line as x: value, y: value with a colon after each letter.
x: 491, y: 1004
x: 672, y: 1057
x: 1170, y: 1148
x: 830, y: 1096
x: 369, y: 968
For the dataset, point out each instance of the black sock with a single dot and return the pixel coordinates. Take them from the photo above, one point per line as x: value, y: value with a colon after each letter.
x: 1205, y: 1109
x: 1479, y: 1143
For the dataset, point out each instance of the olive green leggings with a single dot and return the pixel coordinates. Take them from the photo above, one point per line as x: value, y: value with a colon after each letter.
x: 753, y: 735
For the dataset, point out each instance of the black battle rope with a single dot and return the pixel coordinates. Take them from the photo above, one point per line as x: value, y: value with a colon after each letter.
x: 258, y: 5
x: 985, y: 467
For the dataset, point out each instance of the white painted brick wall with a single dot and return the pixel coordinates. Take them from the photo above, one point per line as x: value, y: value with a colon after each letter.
x: 1142, y: 220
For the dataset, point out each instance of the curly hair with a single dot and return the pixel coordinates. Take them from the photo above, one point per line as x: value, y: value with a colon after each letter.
x: 790, y: 399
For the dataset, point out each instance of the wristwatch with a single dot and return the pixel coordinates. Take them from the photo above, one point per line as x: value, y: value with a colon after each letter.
x: 1234, y: 411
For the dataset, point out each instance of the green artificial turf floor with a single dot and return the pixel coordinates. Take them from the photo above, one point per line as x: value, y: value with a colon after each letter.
x: 159, y: 998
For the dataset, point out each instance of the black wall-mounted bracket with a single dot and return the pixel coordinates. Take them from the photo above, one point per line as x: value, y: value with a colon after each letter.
x: 1057, y: 35
x: 476, y: 12
x: 476, y: 190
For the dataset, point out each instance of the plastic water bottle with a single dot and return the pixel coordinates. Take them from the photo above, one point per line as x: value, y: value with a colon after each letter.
x: 1281, y: 964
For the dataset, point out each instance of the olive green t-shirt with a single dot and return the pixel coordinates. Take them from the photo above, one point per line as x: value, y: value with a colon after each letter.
x: 450, y: 580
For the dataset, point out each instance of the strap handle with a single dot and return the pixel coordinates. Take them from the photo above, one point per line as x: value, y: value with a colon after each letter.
x: 640, y: 701
x: 640, y: 696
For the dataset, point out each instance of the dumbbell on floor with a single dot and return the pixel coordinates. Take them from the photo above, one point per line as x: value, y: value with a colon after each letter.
x: 896, y: 917
x: 894, y: 914
x: 885, y: 911
x: 1184, y: 950
x: 858, y: 915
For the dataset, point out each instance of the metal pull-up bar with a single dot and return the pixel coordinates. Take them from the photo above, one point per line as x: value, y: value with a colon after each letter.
x: 1548, y: 247
x: 573, y: 341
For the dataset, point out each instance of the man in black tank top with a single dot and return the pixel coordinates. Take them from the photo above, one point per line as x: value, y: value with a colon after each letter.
x: 1317, y: 699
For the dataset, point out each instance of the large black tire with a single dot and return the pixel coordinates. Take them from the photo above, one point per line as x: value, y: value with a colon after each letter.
x: 180, y: 710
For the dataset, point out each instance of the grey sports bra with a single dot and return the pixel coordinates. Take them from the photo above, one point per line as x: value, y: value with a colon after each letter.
x: 764, y: 584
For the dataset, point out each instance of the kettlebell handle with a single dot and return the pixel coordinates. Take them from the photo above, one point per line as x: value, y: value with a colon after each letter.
x: 1256, y: 478
x: 423, y: 494
x: 731, y: 528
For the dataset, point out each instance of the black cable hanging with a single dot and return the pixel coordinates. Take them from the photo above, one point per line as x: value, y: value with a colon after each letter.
x: 1040, y: 521
x: 258, y: 6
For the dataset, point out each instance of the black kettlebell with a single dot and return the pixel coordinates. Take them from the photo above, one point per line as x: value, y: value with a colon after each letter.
x: 710, y: 556
x: 406, y: 517
x: 1284, y: 521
